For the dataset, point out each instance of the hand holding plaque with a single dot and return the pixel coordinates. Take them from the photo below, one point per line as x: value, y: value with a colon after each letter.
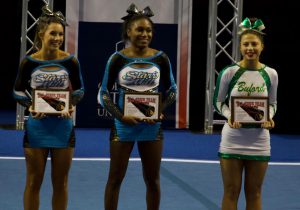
x: 142, y: 105
x: 250, y: 110
x: 51, y: 101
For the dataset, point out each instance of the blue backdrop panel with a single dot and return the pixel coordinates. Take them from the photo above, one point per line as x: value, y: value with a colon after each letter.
x: 96, y: 42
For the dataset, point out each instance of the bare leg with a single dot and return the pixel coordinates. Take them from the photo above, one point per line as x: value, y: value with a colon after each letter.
x: 119, y: 157
x: 232, y: 171
x: 61, y: 160
x: 254, y: 176
x: 151, y: 152
x: 36, y: 160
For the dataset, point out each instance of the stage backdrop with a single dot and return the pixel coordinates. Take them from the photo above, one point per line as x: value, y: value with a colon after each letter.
x: 93, y: 34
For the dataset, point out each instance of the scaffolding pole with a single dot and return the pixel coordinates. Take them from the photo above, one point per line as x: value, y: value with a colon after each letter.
x: 218, y: 25
x: 29, y: 20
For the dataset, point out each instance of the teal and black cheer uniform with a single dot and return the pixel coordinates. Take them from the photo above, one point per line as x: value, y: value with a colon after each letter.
x: 151, y: 74
x: 63, y: 74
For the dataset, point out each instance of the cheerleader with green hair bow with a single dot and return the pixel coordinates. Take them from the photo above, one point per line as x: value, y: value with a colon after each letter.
x: 244, y: 149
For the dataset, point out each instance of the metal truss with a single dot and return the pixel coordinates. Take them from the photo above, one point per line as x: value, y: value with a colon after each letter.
x: 29, y: 20
x: 222, y: 50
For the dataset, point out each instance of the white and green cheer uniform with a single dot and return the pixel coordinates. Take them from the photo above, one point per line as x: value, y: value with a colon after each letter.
x: 245, y: 143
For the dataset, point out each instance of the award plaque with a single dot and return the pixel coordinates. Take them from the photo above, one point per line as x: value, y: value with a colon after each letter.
x: 249, y: 110
x: 142, y: 105
x: 51, y: 101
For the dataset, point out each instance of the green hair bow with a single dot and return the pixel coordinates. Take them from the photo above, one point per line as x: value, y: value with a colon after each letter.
x: 246, y: 24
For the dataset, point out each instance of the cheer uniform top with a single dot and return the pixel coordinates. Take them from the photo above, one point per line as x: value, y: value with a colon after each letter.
x: 245, y: 143
x: 65, y: 74
x: 151, y: 74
